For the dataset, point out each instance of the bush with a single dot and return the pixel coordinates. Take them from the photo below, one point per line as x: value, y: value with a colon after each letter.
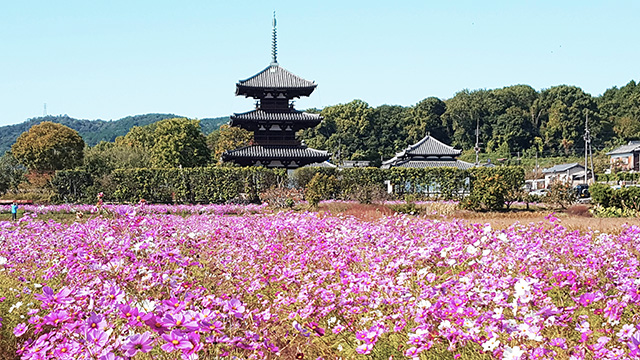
x: 491, y: 188
x: 321, y: 187
x: 281, y: 197
x: 560, y: 194
x: 601, y: 194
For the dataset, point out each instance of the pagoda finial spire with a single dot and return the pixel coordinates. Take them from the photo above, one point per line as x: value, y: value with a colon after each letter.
x: 274, y: 43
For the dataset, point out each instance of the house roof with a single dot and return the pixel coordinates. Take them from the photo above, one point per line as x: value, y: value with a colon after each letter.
x: 626, y: 149
x: 275, y: 77
x: 561, y: 168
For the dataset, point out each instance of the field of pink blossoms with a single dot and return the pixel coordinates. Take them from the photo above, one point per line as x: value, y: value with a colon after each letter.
x: 308, y: 286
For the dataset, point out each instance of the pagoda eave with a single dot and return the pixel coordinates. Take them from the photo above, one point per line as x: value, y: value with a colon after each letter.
x: 259, y: 93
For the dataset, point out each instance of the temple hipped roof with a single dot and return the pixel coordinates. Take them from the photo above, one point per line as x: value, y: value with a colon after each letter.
x: 429, y: 164
x: 275, y: 77
x: 275, y: 152
x: 429, y: 146
x: 291, y: 115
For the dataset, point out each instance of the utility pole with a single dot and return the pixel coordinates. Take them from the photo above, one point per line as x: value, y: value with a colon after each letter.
x: 477, y: 148
x: 587, y: 145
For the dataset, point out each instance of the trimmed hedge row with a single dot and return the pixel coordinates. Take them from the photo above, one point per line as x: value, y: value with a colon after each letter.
x: 624, y: 176
x: 624, y: 198
x: 488, y: 188
x: 188, y: 185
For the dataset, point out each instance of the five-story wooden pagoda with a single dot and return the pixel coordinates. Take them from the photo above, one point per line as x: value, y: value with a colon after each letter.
x: 275, y: 122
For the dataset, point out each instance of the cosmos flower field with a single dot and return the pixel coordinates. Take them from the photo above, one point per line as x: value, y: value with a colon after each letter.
x: 304, y: 285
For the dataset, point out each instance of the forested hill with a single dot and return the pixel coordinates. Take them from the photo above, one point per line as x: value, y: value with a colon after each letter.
x: 94, y: 131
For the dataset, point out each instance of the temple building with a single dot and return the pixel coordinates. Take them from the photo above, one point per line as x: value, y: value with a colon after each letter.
x: 274, y: 122
x: 427, y: 152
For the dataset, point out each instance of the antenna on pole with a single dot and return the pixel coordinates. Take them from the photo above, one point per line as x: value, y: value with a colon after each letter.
x: 44, y: 112
x: 274, y: 42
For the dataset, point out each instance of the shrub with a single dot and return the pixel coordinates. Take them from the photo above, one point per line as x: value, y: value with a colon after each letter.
x: 560, y: 194
x: 321, y: 187
x: 281, y: 197
x: 601, y: 194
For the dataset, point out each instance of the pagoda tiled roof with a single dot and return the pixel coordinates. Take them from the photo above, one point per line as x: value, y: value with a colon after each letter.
x: 429, y: 146
x: 429, y: 164
x: 276, y: 77
x: 263, y: 152
x: 261, y: 115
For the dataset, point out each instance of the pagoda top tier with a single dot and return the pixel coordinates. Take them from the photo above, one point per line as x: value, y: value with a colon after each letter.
x: 275, y: 79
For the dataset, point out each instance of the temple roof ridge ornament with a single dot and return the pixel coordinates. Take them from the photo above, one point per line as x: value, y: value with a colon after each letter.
x: 274, y: 42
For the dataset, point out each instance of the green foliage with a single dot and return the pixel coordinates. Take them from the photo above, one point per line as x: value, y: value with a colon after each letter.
x: 303, y: 175
x: 73, y: 186
x: 491, y: 188
x: 179, y: 142
x: 610, y: 212
x: 560, y: 194
x: 105, y: 157
x: 441, y: 182
x: 48, y: 147
x: 11, y: 173
x: 227, y: 138
x: 194, y: 185
x: 601, y: 194
x: 626, y: 198
x: 321, y: 187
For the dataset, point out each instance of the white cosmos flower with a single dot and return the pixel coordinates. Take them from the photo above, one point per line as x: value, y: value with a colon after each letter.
x: 522, y: 287
x: 512, y: 353
x: 491, y: 344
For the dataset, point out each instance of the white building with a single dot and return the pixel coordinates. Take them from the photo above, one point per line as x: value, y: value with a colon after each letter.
x: 573, y: 174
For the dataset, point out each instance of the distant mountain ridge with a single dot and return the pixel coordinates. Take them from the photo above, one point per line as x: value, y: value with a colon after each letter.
x: 94, y: 131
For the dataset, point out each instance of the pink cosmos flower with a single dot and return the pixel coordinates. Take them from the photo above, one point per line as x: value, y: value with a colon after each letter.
x: 634, y: 345
x: 176, y: 340
x: 138, y: 343
x: 316, y: 328
x: 19, y: 329
x: 364, y: 349
x: 97, y: 337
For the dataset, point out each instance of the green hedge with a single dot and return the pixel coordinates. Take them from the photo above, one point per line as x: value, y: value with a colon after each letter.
x: 621, y: 176
x: 624, y: 198
x: 487, y: 188
x: 188, y: 185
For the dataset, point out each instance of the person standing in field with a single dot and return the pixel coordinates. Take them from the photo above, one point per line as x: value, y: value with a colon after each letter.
x: 14, y: 211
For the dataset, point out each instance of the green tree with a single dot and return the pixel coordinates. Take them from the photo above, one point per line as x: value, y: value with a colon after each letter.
x: 108, y: 156
x: 179, y: 142
x: 48, y: 147
x: 426, y: 117
x: 11, y: 173
x: 227, y: 138
x: 561, y: 111
x: 345, y: 131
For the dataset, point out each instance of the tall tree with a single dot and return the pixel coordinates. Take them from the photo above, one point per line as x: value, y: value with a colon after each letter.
x: 11, y: 172
x: 426, y: 117
x: 179, y: 142
x: 561, y: 113
x: 48, y: 147
x: 227, y: 138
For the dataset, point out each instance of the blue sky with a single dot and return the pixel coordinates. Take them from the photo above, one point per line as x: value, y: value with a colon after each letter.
x: 109, y: 59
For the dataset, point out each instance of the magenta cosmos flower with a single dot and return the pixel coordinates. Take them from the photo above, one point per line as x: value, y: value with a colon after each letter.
x: 138, y: 343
